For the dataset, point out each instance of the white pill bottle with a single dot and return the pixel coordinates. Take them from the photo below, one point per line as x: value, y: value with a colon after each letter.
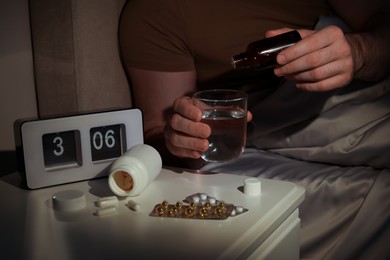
x: 132, y: 172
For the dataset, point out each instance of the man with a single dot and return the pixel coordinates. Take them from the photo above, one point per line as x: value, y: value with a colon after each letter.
x: 324, y: 104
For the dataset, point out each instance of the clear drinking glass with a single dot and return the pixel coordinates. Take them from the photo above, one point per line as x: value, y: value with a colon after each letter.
x: 225, y: 111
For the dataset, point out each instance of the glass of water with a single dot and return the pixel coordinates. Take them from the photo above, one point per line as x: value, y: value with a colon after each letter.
x: 225, y: 111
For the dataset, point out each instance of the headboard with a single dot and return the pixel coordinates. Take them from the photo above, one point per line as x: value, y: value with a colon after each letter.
x: 76, y: 56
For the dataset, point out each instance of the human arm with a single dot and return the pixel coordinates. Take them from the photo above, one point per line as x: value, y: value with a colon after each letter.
x: 171, y: 122
x: 329, y: 59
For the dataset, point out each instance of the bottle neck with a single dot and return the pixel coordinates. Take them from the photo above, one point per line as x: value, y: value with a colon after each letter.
x: 128, y: 177
x: 241, y: 61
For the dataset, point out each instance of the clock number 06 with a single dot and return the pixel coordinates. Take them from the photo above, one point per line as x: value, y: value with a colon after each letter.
x: 98, y: 141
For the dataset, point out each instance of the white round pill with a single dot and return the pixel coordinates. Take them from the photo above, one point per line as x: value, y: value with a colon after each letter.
x: 195, y: 199
x: 239, y: 209
x: 69, y: 200
x: 252, y: 187
x: 212, y: 200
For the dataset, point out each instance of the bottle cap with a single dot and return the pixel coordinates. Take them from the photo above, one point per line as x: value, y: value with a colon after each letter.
x: 69, y: 200
x: 252, y: 187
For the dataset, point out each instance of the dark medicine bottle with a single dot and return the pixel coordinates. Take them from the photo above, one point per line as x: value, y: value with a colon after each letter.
x: 262, y: 54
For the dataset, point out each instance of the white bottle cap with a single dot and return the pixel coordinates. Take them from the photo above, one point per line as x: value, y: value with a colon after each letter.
x: 252, y: 187
x: 69, y: 200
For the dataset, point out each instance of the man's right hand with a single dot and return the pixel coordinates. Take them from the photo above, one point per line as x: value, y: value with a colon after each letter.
x: 185, y: 136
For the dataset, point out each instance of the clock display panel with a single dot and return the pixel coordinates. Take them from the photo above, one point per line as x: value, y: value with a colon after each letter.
x: 61, y: 149
x: 106, y: 142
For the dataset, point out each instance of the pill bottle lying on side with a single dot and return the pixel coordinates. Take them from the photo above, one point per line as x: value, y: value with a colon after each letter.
x: 132, y: 172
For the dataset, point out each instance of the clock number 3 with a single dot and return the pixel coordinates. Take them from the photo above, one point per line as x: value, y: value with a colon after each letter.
x: 58, y: 141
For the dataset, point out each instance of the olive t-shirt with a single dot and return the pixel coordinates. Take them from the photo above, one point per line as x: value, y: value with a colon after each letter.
x: 173, y: 35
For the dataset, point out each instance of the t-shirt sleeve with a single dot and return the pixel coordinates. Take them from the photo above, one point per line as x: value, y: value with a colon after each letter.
x: 152, y: 36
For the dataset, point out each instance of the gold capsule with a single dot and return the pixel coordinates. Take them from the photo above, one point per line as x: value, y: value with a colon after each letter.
x: 203, y: 212
x: 189, y: 212
x: 164, y: 204
x: 207, y: 205
x: 219, y: 211
x: 160, y: 211
x: 221, y: 205
x: 173, y: 211
x: 192, y: 205
x: 178, y: 205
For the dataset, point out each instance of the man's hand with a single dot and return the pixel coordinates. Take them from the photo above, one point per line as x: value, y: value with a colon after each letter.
x: 185, y: 136
x: 323, y: 60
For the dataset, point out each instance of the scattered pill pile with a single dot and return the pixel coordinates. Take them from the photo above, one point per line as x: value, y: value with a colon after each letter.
x: 196, y: 206
x: 109, y: 205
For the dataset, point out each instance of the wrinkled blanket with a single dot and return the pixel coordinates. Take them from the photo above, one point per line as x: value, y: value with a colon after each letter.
x: 346, y: 211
